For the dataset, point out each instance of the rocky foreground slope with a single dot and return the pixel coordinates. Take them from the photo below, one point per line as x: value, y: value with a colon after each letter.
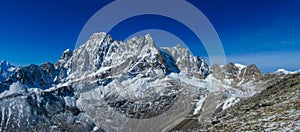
x: 276, y: 108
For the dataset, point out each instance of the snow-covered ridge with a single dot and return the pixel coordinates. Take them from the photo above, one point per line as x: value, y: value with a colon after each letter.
x: 284, y: 71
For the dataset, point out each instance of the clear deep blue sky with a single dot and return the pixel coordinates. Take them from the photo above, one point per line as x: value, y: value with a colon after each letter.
x: 264, y: 32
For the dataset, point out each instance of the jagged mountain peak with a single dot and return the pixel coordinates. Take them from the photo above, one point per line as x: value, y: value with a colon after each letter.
x: 102, y: 52
x: 186, y: 62
x: 252, y: 70
x: 142, y: 42
x: 66, y: 54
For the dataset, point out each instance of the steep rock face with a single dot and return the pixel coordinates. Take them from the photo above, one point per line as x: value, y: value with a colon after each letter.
x: 249, y: 73
x: 186, y: 62
x: 62, y: 66
x: 24, y: 109
x: 236, y: 74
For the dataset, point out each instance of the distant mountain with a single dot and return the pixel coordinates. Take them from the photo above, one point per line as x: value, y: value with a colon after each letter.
x: 283, y: 72
x: 6, y: 69
x: 105, y: 85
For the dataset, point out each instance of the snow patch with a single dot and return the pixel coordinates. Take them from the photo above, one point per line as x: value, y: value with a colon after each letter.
x: 230, y: 102
x: 199, y: 105
x: 240, y: 66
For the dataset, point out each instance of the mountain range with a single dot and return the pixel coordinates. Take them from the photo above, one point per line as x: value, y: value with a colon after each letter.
x: 109, y: 85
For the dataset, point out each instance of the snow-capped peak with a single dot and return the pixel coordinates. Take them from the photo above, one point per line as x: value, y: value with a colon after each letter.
x: 148, y: 36
x: 101, y: 52
x: 283, y: 72
x: 67, y: 51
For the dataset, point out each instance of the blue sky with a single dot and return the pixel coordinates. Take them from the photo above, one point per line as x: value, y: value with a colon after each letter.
x: 264, y: 32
